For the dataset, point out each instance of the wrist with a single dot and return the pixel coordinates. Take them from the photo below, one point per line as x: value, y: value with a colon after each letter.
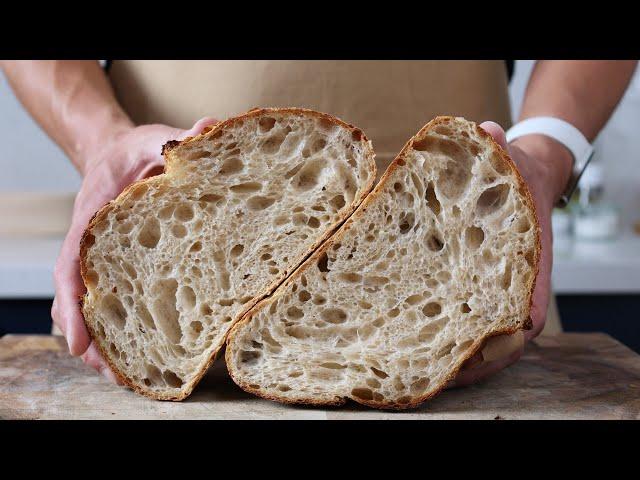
x: 97, y: 137
x: 554, y: 158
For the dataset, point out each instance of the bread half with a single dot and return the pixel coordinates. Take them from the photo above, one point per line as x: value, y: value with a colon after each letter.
x: 440, y: 256
x: 176, y: 259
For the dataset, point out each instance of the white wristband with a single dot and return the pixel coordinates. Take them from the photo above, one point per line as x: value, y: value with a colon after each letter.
x: 564, y: 133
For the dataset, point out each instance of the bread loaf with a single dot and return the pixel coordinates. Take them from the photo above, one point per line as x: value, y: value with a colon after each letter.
x: 442, y: 255
x: 176, y: 259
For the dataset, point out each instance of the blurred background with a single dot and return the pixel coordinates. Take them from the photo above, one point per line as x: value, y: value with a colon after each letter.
x: 596, y: 275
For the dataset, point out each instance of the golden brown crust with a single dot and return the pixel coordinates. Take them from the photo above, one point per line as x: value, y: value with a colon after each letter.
x: 171, y: 152
x: 399, y: 161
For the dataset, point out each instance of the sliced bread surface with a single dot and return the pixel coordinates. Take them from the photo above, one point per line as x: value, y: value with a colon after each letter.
x: 176, y: 259
x: 442, y: 255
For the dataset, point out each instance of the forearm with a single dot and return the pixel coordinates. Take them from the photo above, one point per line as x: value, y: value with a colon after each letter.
x: 72, y: 101
x: 584, y: 93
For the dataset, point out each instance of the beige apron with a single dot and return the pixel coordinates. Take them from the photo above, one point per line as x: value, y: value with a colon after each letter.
x: 389, y: 100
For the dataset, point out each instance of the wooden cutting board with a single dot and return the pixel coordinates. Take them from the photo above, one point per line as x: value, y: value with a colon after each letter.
x: 567, y: 376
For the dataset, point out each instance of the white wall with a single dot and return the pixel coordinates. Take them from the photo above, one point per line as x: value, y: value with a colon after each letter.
x: 617, y: 146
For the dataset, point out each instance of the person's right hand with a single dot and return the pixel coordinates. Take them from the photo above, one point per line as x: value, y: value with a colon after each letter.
x: 131, y: 155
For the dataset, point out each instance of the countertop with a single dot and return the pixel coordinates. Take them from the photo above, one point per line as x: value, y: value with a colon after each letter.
x: 567, y: 376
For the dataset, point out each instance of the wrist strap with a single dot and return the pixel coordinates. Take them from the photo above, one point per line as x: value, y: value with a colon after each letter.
x: 564, y: 133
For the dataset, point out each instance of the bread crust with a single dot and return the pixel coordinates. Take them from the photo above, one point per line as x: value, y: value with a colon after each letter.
x: 525, y: 323
x: 170, y: 151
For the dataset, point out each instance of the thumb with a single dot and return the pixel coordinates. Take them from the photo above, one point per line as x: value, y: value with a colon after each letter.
x: 496, y: 131
x: 198, y: 127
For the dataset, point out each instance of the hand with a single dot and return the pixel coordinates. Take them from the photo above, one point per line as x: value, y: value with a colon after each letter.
x: 128, y: 156
x: 545, y: 165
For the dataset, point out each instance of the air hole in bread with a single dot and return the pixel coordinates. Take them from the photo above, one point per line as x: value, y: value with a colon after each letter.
x: 125, y: 228
x: 446, y: 350
x: 296, y: 332
x: 434, y: 243
x: 375, y: 281
x: 362, y: 393
x: 121, y: 216
x: 499, y: 164
x: 419, y: 386
x: 429, y: 332
x: 337, y: 202
x: 247, y: 187
x: 231, y: 166
x: 394, y: 312
x: 304, y: 296
x: 309, y: 175
x: 465, y: 308
x: 265, y: 124
x: 351, y: 277
x: 414, y: 299
x: 259, y: 202
x: 272, y: 144
x: 506, y: 277
x: 294, y: 170
x: 249, y: 357
x: 323, y: 263
x: 196, y: 326
x: 153, y: 374
x: 92, y: 278
x: 164, y: 310
x: 236, y: 250
x: 333, y: 366
x: 529, y: 257
x: 294, y: 313
x: 473, y: 237
x: 432, y: 200
x: 492, y: 199
x: 172, y: 379
x: 319, y: 300
x: 334, y: 315
x: 523, y: 225
x: 406, y: 222
x: 299, y: 219
x: 114, y: 311
x: 187, y: 297
x: 313, y: 222
x: 379, y: 373
x: 318, y: 144
x: 210, y: 198
x: 378, y: 322
x: 183, y: 212
x: 432, y: 309
x: 143, y: 314
x: 373, y: 383
x: 150, y: 233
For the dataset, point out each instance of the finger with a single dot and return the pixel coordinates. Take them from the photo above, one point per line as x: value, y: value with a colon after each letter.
x: 496, y: 131
x: 501, y: 346
x: 93, y: 358
x: 69, y: 290
x: 55, y: 316
x: 199, y: 126
x: 484, y: 370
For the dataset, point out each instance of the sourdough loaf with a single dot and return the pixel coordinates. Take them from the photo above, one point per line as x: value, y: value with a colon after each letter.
x: 442, y: 255
x: 176, y: 259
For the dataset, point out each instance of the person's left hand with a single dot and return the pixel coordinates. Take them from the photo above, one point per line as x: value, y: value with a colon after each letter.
x: 539, y: 160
